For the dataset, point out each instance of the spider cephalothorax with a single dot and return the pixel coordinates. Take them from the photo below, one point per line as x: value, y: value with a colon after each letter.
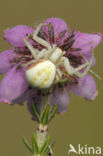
x: 50, y: 64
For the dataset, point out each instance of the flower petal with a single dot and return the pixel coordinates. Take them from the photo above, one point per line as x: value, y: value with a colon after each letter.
x: 58, y: 24
x: 61, y: 97
x: 26, y: 96
x: 85, y: 88
x: 5, y: 58
x: 13, y: 85
x: 89, y: 58
x: 15, y: 36
x: 86, y: 42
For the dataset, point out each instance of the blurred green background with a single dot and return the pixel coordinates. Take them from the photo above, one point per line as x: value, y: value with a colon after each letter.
x: 83, y: 123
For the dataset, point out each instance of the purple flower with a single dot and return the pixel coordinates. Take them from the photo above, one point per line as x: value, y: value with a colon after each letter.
x: 14, y: 87
x: 16, y: 35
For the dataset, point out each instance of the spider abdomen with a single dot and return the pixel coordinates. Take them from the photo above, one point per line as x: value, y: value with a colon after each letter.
x: 41, y: 74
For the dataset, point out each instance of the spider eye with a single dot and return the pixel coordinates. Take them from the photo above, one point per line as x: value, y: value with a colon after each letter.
x: 41, y: 74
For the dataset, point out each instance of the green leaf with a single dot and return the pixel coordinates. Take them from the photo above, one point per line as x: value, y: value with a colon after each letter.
x: 47, y: 115
x: 43, y: 115
x: 35, y: 145
x: 44, y: 118
x: 63, y: 81
x: 53, y: 112
x: 45, y: 145
x: 35, y: 112
x: 27, y: 145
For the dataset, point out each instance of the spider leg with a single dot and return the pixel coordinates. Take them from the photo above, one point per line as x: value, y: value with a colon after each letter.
x: 58, y: 75
x: 67, y: 65
x: 49, y: 52
x: 95, y: 74
x: 33, y: 51
x: 40, y: 40
x: 87, y: 68
x: 42, y: 53
x: 59, y: 72
x: 75, y: 71
x: 57, y: 78
x: 45, y: 53
x: 27, y: 64
x: 81, y: 67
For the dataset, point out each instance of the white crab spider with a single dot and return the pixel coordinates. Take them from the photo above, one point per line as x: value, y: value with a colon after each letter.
x: 45, y: 68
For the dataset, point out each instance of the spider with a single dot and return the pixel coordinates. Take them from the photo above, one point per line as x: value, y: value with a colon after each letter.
x: 44, y: 69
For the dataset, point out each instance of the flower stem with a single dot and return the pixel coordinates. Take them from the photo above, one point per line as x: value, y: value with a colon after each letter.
x: 41, y: 135
x: 41, y: 142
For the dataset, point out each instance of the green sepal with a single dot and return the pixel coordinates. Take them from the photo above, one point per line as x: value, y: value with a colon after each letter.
x: 35, y: 112
x: 45, y: 145
x: 28, y: 145
x: 34, y: 144
x: 53, y: 112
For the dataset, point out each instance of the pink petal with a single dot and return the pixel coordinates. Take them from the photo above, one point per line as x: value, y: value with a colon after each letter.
x: 85, y: 88
x: 13, y: 85
x: 5, y: 58
x: 16, y: 35
x: 61, y: 97
x: 26, y: 96
x: 86, y: 42
x: 58, y: 24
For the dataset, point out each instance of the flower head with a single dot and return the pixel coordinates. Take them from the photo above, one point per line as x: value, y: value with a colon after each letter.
x: 75, y: 49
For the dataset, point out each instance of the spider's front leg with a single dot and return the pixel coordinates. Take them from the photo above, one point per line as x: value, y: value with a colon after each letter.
x: 33, y: 51
x: 80, y: 75
x: 40, y: 40
x: 67, y: 65
x: 30, y: 62
x: 76, y: 71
